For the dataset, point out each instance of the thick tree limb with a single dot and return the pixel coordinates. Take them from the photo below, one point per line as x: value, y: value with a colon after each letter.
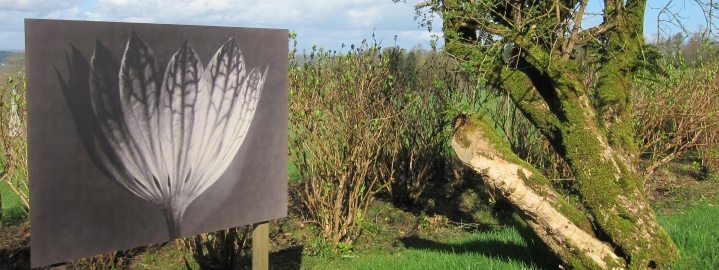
x: 588, y: 35
x: 530, y: 101
x: 479, y: 147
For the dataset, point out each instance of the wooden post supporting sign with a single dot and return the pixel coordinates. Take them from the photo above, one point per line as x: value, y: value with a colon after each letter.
x: 58, y: 266
x: 260, y: 246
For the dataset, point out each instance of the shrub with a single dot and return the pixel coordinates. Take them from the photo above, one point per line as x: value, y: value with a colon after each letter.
x: 424, y: 90
x: 223, y: 249
x: 13, y: 138
x: 365, y: 121
x: 341, y: 110
x: 676, y: 114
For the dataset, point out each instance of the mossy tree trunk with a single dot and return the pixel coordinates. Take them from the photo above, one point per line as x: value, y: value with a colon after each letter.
x: 527, y: 50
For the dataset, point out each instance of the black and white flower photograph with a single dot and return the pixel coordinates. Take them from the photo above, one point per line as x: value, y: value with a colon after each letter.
x: 143, y: 133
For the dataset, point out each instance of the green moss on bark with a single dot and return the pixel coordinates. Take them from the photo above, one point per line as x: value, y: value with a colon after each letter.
x: 602, y: 179
x: 594, y: 134
x: 537, y: 181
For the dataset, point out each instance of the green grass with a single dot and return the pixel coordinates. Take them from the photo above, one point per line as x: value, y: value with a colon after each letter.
x: 696, y: 234
x: 12, y: 206
x: 509, y: 247
x: 506, y: 248
x: 292, y: 172
x: 513, y: 247
x: 166, y: 258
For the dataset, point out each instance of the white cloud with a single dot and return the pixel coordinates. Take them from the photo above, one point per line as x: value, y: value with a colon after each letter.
x: 35, y: 5
x: 8, y: 40
x: 271, y: 13
x: 418, y: 35
x: 12, y: 20
x: 92, y: 16
x: 324, y: 22
x: 71, y: 13
x: 366, y: 17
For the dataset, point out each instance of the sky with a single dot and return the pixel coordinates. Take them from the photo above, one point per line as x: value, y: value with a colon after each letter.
x: 326, y: 23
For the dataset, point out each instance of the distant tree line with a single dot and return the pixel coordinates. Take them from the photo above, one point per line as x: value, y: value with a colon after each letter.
x: 688, y: 49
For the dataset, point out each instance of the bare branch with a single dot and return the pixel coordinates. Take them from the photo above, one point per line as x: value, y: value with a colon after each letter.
x: 422, y: 5
x: 587, y: 35
x: 476, y: 144
x: 494, y: 29
x: 571, y: 41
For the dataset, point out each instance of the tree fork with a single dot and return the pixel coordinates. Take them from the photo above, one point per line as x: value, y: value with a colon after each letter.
x: 591, y: 130
x: 609, y: 188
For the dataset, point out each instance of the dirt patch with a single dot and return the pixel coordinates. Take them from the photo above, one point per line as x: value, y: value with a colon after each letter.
x: 15, y: 246
x: 677, y: 187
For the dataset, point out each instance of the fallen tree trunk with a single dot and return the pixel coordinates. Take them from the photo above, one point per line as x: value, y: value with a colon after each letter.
x: 557, y: 223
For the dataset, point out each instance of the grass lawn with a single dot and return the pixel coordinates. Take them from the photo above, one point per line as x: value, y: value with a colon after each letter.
x: 694, y: 231
x: 12, y: 206
x: 505, y: 248
x: 696, y: 234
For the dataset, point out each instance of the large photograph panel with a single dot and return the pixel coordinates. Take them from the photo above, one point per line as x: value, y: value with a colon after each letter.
x: 142, y: 133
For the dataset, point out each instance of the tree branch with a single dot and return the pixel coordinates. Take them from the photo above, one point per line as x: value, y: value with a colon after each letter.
x: 532, y: 104
x: 587, y: 35
x: 494, y: 29
x: 479, y: 146
x: 573, y: 36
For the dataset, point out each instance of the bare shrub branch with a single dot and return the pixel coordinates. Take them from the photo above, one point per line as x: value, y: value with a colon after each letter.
x: 13, y: 134
x: 676, y: 114
x: 341, y: 110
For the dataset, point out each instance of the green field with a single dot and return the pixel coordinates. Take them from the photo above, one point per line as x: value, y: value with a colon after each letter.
x: 512, y: 247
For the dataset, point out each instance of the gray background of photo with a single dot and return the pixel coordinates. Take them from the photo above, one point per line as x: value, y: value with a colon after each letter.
x: 77, y: 211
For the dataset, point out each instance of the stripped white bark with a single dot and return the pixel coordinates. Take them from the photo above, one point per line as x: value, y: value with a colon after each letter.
x: 508, y: 178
